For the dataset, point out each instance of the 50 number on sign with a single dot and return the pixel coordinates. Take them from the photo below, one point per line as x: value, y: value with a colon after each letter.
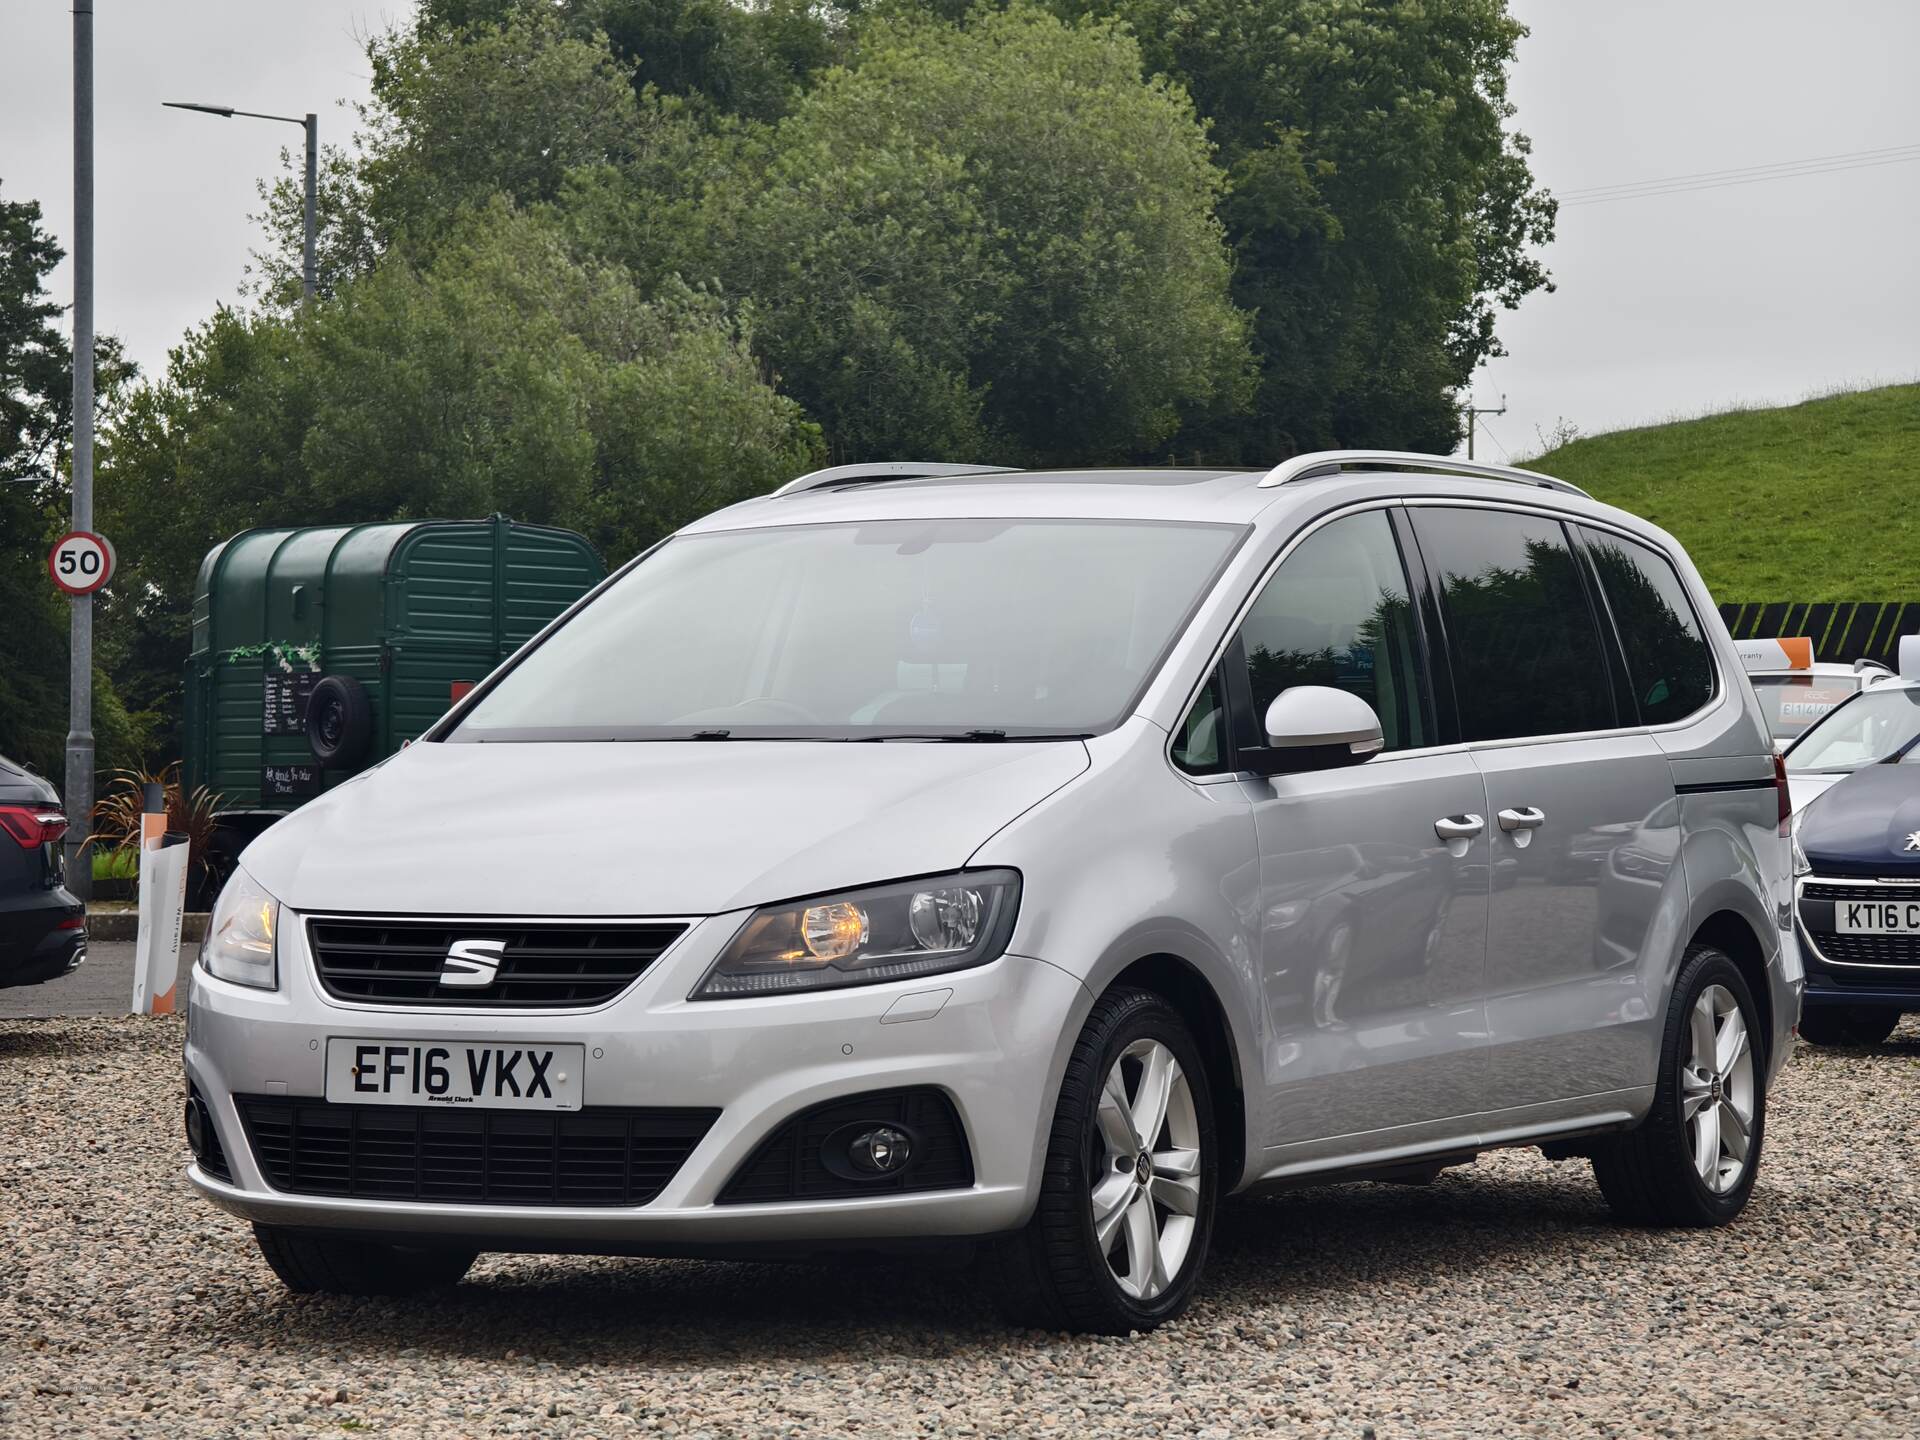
x: 80, y: 562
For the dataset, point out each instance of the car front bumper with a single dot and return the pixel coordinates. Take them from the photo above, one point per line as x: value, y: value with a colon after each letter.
x: 995, y: 1044
x: 1838, y: 984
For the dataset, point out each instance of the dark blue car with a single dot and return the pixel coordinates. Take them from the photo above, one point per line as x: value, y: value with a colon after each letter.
x: 1856, y: 860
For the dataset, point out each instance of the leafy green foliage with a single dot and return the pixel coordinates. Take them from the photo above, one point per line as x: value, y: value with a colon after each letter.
x: 1806, y: 502
x: 612, y: 263
x: 991, y: 239
x: 1380, y: 213
x: 36, y: 412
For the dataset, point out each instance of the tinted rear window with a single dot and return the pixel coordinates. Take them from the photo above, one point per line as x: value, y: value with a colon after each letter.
x: 1667, y: 659
x: 1526, y: 650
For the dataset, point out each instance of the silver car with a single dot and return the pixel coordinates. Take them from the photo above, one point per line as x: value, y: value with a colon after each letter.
x: 935, y: 853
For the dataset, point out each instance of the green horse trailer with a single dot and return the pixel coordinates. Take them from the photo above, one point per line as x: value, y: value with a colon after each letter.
x: 320, y: 651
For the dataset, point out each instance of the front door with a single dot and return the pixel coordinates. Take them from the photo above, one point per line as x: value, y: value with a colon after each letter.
x: 1373, y: 921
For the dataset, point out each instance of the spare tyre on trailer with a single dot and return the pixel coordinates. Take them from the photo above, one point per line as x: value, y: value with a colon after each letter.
x: 318, y: 652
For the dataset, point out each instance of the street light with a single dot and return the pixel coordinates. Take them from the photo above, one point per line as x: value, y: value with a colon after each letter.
x: 311, y: 124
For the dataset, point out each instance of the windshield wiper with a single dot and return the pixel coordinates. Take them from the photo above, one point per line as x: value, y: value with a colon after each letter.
x: 976, y: 737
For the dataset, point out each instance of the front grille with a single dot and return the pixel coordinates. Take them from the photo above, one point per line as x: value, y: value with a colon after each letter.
x: 544, y: 965
x: 1820, y: 890
x: 596, y: 1156
x: 1817, y: 899
x: 787, y: 1164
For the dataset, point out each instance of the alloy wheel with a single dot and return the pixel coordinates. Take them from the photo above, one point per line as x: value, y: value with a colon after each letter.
x: 1717, y: 1089
x: 1146, y: 1178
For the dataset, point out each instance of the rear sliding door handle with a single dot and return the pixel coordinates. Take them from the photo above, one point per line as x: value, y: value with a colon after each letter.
x: 1524, y: 818
x: 1458, y: 827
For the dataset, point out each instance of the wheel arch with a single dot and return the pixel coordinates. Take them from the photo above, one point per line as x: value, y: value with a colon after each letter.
x: 1182, y: 985
x: 1733, y: 934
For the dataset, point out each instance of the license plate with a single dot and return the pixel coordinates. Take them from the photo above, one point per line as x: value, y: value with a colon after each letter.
x: 445, y: 1072
x: 1877, y: 917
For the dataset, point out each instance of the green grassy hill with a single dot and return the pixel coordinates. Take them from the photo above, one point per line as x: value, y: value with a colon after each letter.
x: 1816, y: 501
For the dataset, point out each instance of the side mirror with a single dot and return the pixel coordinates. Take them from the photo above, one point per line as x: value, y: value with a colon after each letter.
x: 1316, y: 727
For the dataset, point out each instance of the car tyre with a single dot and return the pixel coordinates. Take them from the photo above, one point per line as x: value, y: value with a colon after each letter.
x: 1847, y: 1025
x: 340, y: 1265
x: 1116, y: 1243
x: 1693, y: 1159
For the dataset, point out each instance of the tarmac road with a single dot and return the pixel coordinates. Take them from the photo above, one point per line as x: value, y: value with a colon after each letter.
x: 102, y: 986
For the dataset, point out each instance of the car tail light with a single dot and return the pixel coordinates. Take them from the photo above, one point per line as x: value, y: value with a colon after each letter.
x: 1786, y: 795
x: 32, y: 826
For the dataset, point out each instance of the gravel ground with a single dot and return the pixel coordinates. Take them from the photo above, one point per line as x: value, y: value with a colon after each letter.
x: 1499, y: 1301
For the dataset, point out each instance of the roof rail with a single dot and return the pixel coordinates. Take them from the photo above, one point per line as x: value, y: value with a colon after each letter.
x: 885, y: 470
x: 1332, y: 462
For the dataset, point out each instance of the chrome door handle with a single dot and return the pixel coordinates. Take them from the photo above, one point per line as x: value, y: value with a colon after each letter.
x: 1524, y: 818
x: 1458, y: 827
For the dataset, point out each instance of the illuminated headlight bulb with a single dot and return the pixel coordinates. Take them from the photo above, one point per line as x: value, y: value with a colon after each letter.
x: 945, y: 919
x: 832, y: 931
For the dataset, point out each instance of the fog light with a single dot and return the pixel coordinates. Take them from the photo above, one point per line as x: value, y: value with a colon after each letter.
x: 196, y: 1126
x: 882, y: 1150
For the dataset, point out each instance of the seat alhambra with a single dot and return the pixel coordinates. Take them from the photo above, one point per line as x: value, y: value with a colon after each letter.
x: 937, y: 853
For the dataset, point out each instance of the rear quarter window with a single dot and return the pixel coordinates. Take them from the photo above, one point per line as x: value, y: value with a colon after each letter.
x: 1668, y: 662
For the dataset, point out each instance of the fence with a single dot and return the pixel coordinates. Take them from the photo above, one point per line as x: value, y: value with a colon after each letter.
x: 1842, y: 630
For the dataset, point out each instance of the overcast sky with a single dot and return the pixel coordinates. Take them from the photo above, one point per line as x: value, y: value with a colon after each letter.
x: 1673, y: 304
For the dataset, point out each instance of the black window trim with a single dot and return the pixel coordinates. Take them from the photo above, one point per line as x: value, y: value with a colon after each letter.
x: 1440, y: 666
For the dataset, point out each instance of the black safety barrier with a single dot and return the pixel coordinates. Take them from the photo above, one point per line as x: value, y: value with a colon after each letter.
x: 1841, y: 630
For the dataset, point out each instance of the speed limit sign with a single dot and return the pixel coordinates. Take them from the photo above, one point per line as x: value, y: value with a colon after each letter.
x: 81, y: 562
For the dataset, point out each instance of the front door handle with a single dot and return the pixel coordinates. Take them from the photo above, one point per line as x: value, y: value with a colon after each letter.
x: 1524, y: 818
x: 1458, y: 827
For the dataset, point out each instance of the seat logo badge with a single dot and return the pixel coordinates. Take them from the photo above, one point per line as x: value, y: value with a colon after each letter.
x: 472, y: 963
x: 1913, y: 841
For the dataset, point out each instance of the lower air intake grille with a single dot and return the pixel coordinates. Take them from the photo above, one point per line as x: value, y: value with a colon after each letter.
x: 596, y: 1156
x: 212, y: 1158
x: 787, y: 1164
x: 542, y: 965
x: 1851, y: 949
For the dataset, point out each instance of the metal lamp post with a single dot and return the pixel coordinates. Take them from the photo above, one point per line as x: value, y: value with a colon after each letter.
x: 311, y: 124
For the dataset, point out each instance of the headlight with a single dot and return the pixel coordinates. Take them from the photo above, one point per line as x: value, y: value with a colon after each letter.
x: 862, y: 937
x: 239, y: 944
x: 1800, y: 863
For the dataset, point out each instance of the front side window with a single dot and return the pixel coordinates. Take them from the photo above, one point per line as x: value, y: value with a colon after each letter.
x: 1881, y: 727
x: 1337, y: 612
x: 1668, y: 663
x: 1526, y: 649
x: 883, y: 629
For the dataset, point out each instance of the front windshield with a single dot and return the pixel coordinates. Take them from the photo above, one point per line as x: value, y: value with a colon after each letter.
x: 944, y: 628
x: 1795, y: 703
x: 1880, y: 726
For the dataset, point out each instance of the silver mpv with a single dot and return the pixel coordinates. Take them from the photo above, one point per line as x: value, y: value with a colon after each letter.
x: 934, y: 852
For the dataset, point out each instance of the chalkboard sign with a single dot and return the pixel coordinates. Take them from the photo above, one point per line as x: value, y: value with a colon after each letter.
x: 290, y: 780
x: 284, y: 697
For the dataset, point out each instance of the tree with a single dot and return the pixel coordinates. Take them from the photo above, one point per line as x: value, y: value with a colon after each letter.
x: 504, y: 375
x: 991, y: 239
x: 36, y: 395
x: 1380, y: 210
